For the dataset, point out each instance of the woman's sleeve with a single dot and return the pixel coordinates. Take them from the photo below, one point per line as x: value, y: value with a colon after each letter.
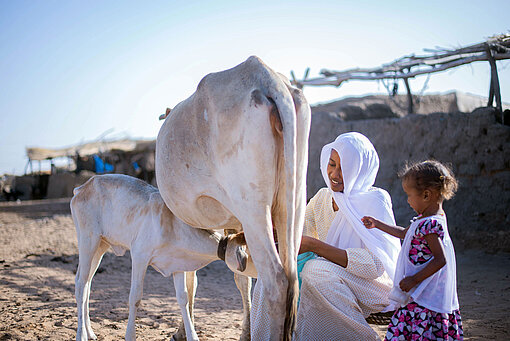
x: 310, y: 228
x: 364, y: 264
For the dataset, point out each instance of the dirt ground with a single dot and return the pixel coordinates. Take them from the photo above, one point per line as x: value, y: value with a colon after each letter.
x: 38, y: 260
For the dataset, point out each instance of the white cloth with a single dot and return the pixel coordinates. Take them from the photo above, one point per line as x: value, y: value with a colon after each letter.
x: 360, y: 164
x: 335, y: 300
x: 439, y: 291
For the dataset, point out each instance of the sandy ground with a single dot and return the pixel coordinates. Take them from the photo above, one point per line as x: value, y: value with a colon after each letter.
x: 38, y: 260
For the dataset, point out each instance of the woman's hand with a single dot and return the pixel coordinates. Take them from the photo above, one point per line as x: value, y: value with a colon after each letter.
x: 331, y: 253
x: 307, y: 244
x: 408, y: 283
x: 369, y: 222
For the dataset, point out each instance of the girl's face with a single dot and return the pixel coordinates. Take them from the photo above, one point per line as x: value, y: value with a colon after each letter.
x: 334, y: 171
x: 416, y: 199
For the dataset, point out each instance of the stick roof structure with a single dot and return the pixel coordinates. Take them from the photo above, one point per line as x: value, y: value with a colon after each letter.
x: 495, y: 48
x: 91, y: 148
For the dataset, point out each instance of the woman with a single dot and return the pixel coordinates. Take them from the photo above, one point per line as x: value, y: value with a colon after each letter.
x: 349, y: 275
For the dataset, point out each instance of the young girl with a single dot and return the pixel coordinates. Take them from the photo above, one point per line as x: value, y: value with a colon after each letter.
x: 425, y: 281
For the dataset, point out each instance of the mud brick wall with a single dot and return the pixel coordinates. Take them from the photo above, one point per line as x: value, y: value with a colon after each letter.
x: 474, y: 144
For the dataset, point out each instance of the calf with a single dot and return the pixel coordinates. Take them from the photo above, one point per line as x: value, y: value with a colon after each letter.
x: 124, y: 213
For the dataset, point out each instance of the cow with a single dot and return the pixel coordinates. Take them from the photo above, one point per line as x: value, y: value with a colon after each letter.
x: 233, y: 156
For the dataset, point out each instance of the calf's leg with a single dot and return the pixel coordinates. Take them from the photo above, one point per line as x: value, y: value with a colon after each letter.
x: 88, y: 245
x: 182, y: 298
x: 243, y: 283
x: 96, y: 259
x: 191, y: 286
x: 138, y: 270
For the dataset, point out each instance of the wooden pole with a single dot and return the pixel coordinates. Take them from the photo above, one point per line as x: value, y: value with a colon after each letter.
x: 491, y: 94
x: 491, y: 87
x: 495, y: 81
x: 409, y: 96
x: 26, y: 166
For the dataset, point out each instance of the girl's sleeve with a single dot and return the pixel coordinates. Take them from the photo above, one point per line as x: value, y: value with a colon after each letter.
x: 364, y: 264
x: 429, y: 226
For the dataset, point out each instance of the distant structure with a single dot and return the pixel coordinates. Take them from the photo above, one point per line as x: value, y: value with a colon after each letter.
x: 125, y: 156
x: 495, y: 48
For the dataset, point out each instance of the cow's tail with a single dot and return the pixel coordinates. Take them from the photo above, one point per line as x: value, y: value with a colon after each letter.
x: 288, y: 248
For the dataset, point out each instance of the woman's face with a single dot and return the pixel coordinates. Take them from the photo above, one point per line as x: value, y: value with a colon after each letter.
x: 334, y: 171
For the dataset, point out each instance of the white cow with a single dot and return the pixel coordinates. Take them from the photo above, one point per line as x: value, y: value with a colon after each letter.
x: 124, y: 213
x: 234, y: 156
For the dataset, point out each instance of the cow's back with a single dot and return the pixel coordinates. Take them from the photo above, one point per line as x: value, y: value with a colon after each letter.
x: 217, y: 147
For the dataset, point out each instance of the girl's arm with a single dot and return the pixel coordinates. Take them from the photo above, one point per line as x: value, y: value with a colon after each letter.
x: 396, y: 231
x: 331, y: 253
x: 431, y: 268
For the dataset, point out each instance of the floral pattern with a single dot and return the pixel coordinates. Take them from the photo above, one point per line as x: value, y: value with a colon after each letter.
x: 415, y: 322
x: 420, y: 253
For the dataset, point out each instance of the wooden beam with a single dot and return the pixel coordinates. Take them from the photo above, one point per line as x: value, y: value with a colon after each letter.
x: 336, y: 79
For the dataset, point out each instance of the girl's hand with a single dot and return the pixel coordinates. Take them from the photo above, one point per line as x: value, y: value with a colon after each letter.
x: 369, y: 222
x: 407, y: 283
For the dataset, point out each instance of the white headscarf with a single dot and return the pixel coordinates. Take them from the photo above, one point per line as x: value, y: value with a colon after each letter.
x: 360, y: 163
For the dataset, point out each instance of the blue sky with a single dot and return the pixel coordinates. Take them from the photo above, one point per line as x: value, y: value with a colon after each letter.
x: 71, y: 70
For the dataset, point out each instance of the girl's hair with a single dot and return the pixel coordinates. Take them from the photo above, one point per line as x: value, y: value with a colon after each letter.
x: 431, y: 174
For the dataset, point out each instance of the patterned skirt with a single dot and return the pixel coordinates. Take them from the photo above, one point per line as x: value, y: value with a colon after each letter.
x: 415, y: 322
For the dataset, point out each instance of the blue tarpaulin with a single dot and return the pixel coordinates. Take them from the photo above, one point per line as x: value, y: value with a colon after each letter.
x: 102, y: 166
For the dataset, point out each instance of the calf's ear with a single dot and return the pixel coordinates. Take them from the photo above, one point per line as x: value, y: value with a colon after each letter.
x: 242, y: 258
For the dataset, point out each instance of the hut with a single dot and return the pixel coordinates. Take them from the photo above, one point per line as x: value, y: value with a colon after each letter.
x: 58, y: 171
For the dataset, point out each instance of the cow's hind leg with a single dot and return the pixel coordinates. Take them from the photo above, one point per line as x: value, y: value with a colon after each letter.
x: 191, y: 286
x: 268, y: 314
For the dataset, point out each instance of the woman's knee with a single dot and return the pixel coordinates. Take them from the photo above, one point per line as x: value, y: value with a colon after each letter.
x: 318, y: 271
